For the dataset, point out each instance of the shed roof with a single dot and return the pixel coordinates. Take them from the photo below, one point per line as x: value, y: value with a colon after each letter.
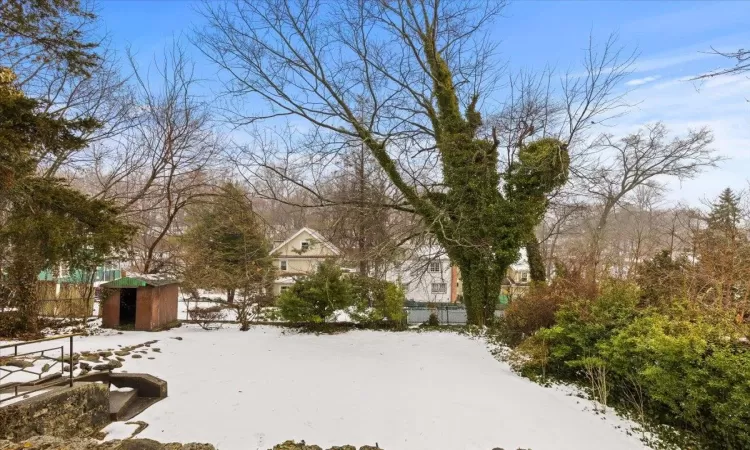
x: 139, y: 281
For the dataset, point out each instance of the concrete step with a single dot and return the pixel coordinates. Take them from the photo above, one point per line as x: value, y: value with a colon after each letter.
x: 136, y: 407
x: 119, y: 403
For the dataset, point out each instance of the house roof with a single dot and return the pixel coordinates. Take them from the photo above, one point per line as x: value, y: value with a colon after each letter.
x: 319, y: 237
x: 137, y: 281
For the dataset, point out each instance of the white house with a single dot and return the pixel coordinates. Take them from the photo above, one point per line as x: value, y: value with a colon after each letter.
x: 427, y: 276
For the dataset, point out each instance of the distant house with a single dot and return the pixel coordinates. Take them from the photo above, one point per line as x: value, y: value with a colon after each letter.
x: 428, y: 275
x: 300, y: 255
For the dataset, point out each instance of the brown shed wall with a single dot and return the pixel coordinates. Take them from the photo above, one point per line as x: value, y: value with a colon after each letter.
x: 156, y: 306
x: 111, y: 309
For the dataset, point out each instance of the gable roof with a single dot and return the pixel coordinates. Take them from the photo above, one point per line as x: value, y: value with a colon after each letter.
x: 318, y: 237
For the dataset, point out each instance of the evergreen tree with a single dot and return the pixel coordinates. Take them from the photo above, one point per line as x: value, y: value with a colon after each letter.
x: 43, y: 221
x: 725, y: 213
x: 47, y: 32
x: 225, y: 246
x: 724, y: 252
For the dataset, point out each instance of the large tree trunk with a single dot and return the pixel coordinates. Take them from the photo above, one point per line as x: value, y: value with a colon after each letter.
x: 22, y: 274
x: 536, y: 261
x: 230, y: 296
x: 481, y: 290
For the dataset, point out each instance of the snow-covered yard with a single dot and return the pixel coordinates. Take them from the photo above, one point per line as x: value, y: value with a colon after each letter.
x: 405, y: 391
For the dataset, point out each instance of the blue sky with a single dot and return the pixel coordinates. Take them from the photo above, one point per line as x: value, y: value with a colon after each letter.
x: 670, y: 37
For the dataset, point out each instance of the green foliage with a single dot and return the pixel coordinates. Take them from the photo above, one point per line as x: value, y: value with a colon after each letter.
x: 44, y: 221
x: 691, y: 367
x: 315, y: 297
x: 225, y: 245
x: 661, y: 278
x: 377, y: 300
x: 433, y: 320
x: 48, y: 31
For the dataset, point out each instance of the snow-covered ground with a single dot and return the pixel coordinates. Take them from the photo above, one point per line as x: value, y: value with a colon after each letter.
x: 405, y: 391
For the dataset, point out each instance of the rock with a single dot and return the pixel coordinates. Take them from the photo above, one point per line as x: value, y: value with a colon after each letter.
x: 369, y: 447
x: 194, y: 446
x: 177, y: 337
x: 45, y: 368
x: 344, y: 447
x: 115, y: 364
x: 20, y: 363
x: 157, y: 350
x: 105, y: 354
x: 84, y: 366
x: 151, y: 357
x: 90, y: 357
x: 66, y: 367
x: 140, y: 444
x: 136, y: 356
x: 120, y: 358
x: 291, y: 445
x: 103, y: 367
x: 151, y: 342
x: 122, y: 352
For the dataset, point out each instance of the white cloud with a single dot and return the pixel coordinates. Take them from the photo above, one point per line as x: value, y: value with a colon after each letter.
x: 718, y: 103
x: 641, y: 81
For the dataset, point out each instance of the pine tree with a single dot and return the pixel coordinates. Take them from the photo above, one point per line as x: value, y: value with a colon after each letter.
x: 42, y: 220
x: 724, y: 252
x: 725, y: 213
x: 225, y: 245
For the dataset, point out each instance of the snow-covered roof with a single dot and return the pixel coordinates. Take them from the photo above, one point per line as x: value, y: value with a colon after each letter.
x: 318, y: 237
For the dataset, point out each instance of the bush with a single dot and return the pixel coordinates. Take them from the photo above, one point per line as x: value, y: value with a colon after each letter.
x: 535, y: 310
x: 316, y: 297
x: 433, y: 320
x: 688, y: 367
x: 207, y: 318
x: 377, y: 300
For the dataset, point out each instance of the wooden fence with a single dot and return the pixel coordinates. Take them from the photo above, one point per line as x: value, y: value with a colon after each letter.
x: 68, y: 303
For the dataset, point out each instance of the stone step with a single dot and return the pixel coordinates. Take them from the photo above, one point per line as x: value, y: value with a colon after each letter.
x: 119, y: 403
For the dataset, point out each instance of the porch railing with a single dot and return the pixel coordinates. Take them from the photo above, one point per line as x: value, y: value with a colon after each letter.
x: 15, y: 360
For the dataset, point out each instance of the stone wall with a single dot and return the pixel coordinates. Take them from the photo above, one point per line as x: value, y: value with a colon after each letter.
x: 68, y: 412
x: 53, y: 443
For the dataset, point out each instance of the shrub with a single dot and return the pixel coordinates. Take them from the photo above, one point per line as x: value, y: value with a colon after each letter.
x: 207, y: 318
x: 316, y: 297
x: 528, y: 313
x: 377, y: 300
x: 688, y: 367
x: 433, y: 320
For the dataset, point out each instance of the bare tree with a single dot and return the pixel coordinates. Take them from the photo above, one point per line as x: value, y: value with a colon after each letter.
x: 641, y: 159
x: 742, y: 63
x: 163, y: 163
x: 422, y: 68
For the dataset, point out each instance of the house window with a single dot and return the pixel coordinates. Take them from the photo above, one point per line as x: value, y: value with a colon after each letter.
x: 282, y: 265
x: 524, y: 277
x: 305, y: 246
x: 439, y: 288
x: 434, y: 266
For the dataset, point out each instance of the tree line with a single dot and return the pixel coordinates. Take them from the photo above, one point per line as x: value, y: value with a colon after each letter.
x: 407, y: 137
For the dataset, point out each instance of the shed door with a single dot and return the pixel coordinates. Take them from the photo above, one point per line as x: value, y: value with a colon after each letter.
x: 127, y: 306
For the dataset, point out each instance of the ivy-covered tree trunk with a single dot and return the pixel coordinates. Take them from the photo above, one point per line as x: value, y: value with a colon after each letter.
x: 481, y: 290
x: 536, y: 261
x: 22, y: 274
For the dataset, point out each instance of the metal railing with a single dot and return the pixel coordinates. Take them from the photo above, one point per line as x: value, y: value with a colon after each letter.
x: 15, y: 362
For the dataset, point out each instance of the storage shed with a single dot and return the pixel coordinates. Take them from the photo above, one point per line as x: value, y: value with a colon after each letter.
x: 144, y: 302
